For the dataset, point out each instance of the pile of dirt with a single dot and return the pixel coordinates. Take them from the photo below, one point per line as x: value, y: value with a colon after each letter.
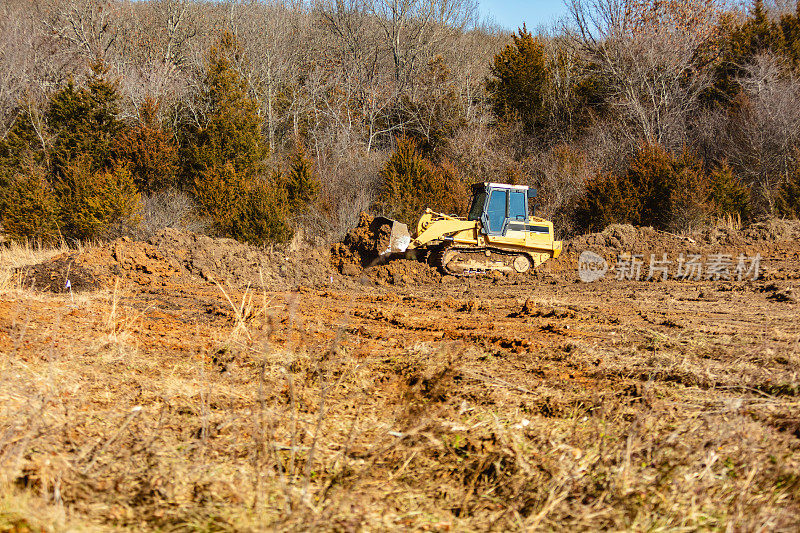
x: 174, y: 257
x: 619, y: 239
x: 361, y: 246
x: 626, y: 238
x: 94, y: 268
x: 774, y: 230
x: 404, y: 272
x: 766, y: 238
x: 230, y: 262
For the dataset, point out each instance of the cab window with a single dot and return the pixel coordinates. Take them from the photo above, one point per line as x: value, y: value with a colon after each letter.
x: 476, y: 210
x: 518, y: 205
x: 497, y: 211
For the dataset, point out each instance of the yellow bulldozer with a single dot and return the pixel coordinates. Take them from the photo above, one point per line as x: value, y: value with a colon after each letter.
x: 499, y: 234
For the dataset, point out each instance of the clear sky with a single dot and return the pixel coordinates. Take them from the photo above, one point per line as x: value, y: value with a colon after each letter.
x: 510, y: 14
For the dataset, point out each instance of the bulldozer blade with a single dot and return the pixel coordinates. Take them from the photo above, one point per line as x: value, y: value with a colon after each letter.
x: 393, y: 236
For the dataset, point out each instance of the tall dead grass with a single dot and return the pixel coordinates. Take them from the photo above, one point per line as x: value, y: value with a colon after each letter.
x: 14, y: 256
x: 283, y: 422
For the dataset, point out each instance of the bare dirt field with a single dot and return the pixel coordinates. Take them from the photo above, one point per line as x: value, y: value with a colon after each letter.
x: 195, y: 384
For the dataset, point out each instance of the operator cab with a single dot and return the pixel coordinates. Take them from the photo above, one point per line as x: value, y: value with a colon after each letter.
x: 500, y: 207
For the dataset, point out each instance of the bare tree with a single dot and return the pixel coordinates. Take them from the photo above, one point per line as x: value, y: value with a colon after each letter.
x: 412, y: 28
x: 759, y: 139
x: 654, y: 55
x: 90, y: 26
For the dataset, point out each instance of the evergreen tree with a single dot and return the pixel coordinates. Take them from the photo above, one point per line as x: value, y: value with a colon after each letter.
x: 728, y: 194
x: 520, y: 81
x: 225, y: 157
x: 21, y: 146
x: 220, y: 192
x: 150, y: 151
x: 657, y: 189
x: 231, y: 128
x: 262, y: 216
x: 790, y: 27
x: 789, y: 194
x: 410, y: 183
x: 741, y: 44
x: 96, y: 204
x: 29, y: 208
x: 84, y: 122
x: 301, y: 183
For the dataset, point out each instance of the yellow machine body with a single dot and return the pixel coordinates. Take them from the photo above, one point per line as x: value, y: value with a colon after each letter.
x: 498, y: 235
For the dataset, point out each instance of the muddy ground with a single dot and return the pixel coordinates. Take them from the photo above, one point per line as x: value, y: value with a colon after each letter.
x: 190, y: 383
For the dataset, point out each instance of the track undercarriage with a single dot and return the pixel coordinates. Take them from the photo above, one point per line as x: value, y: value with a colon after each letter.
x: 465, y: 260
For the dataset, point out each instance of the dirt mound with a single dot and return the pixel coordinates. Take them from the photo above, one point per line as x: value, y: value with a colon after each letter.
x: 404, y: 272
x: 361, y: 246
x: 237, y: 264
x: 94, y: 268
x: 619, y: 239
x: 627, y: 238
x: 769, y: 238
x: 774, y: 230
x: 176, y: 257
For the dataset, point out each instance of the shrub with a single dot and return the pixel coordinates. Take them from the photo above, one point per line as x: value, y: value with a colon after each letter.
x: 606, y: 201
x: 410, y: 183
x: 789, y: 194
x: 728, y: 194
x: 301, y: 184
x: 150, y: 151
x: 97, y: 204
x: 688, y: 202
x: 261, y: 218
x: 28, y: 208
x: 168, y: 208
x: 657, y: 189
x: 248, y: 210
x: 116, y: 204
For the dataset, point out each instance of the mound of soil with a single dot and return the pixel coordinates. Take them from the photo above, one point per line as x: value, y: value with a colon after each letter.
x: 404, y: 272
x: 626, y: 238
x: 93, y: 268
x: 361, y: 246
x: 766, y: 238
x: 775, y: 230
x: 231, y: 262
x: 174, y: 256
x: 618, y: 239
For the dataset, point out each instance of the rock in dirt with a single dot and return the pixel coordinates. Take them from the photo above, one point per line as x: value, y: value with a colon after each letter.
x: 350, y: 269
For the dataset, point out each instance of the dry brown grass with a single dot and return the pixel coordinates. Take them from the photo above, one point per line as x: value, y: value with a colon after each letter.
x: 274, y: 417
x: 14, y: 256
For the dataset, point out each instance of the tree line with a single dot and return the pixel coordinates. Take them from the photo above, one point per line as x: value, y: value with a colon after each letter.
x: 253, y: 119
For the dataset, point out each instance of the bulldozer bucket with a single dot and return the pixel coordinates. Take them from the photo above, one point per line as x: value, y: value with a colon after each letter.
x: 391, y: 236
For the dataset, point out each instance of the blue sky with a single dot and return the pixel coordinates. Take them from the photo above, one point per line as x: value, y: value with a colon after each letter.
x: 510, y: 14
